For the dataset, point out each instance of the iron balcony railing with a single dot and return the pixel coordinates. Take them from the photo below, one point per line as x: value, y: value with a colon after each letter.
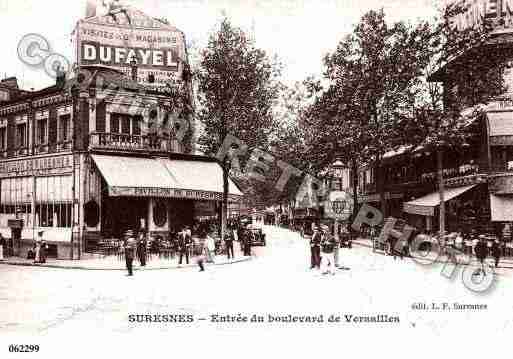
x: 118, y: 141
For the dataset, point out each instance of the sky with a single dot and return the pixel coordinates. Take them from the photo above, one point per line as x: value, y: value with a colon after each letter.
x: 299, y: 32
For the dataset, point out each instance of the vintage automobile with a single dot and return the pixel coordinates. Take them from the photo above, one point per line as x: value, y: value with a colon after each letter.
x: 257, y: 236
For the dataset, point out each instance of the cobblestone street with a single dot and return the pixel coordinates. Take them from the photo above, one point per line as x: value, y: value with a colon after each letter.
x: 277, y: 280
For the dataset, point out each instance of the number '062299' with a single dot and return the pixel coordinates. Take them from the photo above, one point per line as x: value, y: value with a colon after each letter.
x: 23, y: 348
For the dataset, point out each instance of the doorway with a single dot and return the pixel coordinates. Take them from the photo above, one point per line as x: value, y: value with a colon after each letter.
x: 122, y: 214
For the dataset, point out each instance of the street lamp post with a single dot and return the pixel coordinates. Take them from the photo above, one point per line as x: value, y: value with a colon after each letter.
x: 336, y: 184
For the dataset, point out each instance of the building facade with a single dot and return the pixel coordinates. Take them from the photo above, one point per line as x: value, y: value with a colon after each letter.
x: 106, y: 151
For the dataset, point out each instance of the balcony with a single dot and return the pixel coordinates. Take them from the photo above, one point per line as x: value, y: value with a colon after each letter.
x: 63, y: 146
x: 127, y: 142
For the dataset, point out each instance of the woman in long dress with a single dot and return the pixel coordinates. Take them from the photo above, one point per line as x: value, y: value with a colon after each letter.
x: 37, y: 258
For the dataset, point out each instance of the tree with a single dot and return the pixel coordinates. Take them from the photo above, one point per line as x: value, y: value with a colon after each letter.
x: 237, y: 85
x: 372, y: 76
x: 466, y: 72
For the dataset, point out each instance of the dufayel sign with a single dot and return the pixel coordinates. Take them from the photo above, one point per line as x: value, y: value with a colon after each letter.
x: 116, y: 39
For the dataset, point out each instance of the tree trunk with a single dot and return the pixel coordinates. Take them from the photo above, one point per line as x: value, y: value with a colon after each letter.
x: 224, y: 208
x: 354, y: 170
x: 439, y: 167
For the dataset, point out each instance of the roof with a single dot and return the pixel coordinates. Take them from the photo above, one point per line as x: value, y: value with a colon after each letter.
x: 130, y: 17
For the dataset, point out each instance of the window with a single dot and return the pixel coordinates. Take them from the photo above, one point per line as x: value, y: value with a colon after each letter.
x: 42, y: 131
x: 114, y: 123
x: 53, y: 201
x: 136, y: 125
x: 15, y: 195
x: 3, y: 138
x: 21, y: 135
x: 125, y: 124
x: 64, y: 128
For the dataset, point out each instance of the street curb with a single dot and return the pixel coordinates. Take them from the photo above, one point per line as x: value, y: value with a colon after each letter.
x: 21, y: 264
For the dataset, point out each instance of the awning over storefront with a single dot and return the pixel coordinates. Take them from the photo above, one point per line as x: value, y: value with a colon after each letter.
x: 501, y: 208
x: 425, y: 206
x: 500, y: 127
x: 150, y: 177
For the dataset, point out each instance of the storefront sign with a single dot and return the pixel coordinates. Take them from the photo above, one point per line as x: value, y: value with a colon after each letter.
x: 115, y: 40
x: 473, y: 13
x: 37, y: 166
x: 204, y: 208
x: 168, y: 193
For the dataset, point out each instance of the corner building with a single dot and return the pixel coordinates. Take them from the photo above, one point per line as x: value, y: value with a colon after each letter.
x: 109, y: 150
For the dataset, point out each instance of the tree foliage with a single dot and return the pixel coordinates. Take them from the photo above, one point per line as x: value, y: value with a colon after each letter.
x: 237, y: 85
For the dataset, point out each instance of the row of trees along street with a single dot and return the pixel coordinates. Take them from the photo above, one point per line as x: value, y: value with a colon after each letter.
x: 381, y: 90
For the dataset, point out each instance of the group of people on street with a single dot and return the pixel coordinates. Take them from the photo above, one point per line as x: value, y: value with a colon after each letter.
x: 39, y: 250
x: 481, y: 251
x: 324, y: 250
x: 203, y: 249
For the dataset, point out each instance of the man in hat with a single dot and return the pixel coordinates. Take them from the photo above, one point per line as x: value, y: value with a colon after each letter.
x: 496, y: 252
x: 315, y: 248
x: 141, y: 247
x: 184, y: 243
x: 328, y: 249
x: 130, y: 247
x: 228, y: 242
x: 481, y: 250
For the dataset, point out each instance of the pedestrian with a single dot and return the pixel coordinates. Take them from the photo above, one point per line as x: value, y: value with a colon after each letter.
x: 130, y: 248
x: 315, y: 249
x: 2, y: 244
x: 141, y: 248
x: 37, y: 251
x: 481, y: 251
x: 201, y: 250
x: 228, y: 243
x: 337, y: 240
x: 248, y: 239
x: 210, y: 248
x: 42, y: 251
x: 39, y: 244
x: 184, y: 244
x: 496, y: 252
x: 327, y: 252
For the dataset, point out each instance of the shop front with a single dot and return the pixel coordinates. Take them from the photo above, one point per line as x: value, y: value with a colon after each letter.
x: 157, y: 194
x: 466, y: 208
x: 38, y: 192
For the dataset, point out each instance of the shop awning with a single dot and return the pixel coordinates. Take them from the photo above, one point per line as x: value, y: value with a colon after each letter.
x: 425, y: 206
x: 501, y: 208
x: 500, y: 127
x: 150, y: 177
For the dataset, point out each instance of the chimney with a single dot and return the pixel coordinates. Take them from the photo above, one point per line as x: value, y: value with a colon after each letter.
x: 60, y: 79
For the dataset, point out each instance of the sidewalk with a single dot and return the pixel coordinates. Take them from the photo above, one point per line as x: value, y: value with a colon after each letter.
x: 504, y: 263
x: 113, y: 263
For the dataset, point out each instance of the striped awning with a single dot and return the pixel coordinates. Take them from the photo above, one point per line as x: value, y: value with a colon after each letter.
x: 163, y: 177
x: 425, y: 206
